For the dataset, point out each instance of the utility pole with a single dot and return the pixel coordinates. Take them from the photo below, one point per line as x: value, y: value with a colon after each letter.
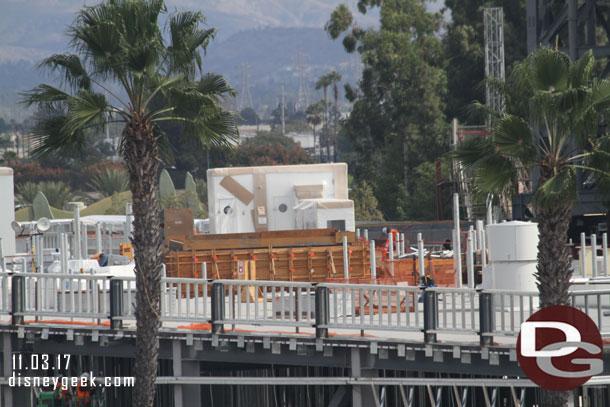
x: 283, y: 114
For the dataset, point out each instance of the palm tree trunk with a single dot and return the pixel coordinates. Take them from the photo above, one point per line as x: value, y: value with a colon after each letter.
x: 326, y: 124
x: 554, y: 271
x: 554, y: 268
x: 335, y: 114
x: 142, y: 159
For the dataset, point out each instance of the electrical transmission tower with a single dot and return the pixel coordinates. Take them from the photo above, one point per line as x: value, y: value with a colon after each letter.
x: 245, y: 99
x: 573, y: 26
x: 302, y: 101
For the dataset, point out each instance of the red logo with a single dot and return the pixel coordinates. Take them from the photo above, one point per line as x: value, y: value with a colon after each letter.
x: 560, y: 348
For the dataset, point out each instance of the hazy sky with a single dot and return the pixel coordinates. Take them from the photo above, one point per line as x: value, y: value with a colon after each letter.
x: 30, y: 29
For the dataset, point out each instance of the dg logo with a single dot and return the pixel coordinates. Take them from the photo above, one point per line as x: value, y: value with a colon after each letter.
x: 560, y: 348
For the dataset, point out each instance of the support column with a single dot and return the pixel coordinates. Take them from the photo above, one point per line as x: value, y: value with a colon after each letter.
x: 177, y: 368
x: 362, y: 396
x: 531, y: 16
x: 7, y: 351
x: 572, y: 29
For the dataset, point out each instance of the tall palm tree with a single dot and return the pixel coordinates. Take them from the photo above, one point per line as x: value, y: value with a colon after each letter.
x: 314, y: 113
x: 554, y: 107
x: 124, y: 70
x: 334, y: 79
x: 324, y: 83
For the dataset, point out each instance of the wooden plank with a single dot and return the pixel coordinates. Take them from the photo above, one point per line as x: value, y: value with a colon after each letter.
x: 294, y: 241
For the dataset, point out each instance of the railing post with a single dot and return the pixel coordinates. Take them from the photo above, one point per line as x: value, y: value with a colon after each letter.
x: 322, y: 296
x: 605, y: 253
x: 583, y: 248
x: 486, y: 318
x: 218, y: 307
x: 420, y: 257
x: 373, y: 259
x: 116, y: 304
x: 593, y: 255
x: 18, y: 299
x: 430, y: 315
x: 345, y: 259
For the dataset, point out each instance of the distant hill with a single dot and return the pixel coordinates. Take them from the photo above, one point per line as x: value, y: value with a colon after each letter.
x: 271, y: 56
x: 251, y: 31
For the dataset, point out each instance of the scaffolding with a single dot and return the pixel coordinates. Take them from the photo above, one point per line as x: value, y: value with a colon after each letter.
x: 494, y: 55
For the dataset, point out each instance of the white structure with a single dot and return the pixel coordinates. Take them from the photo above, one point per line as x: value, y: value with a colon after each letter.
x: 7, y: 209
x: 513, y: 253
x: 324, y: 213
x: 250, y: 199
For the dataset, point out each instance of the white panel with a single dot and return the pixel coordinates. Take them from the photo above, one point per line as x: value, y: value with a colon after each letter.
x: 282, y: 213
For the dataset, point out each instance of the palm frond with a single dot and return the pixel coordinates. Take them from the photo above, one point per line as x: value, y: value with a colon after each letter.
x: 561, y: 187
x: 513, y: 137
x: 70, y: 69
x: 44, y: 94
x: 581, y: 70
x: 548, y: 70
x: 86, y: 109
x: 215, y: 84
x: 49, y: 136
x: 186, y: 40
x: 601, y: 95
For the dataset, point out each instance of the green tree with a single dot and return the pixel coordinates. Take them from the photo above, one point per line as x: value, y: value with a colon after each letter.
x: 160, y: 79
x: 365, y: 203
x: 555, y: 136
x: 464, y: 42
x: 249, y: 116
x: 397, y: 120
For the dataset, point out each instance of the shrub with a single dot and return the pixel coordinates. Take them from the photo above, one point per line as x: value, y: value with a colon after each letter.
x: 109, y: 181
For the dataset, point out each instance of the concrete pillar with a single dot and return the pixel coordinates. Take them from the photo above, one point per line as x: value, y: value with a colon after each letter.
x: 7, y: 368
x: 185, y: 395
x: 177, y: 367
x: 362, y: 396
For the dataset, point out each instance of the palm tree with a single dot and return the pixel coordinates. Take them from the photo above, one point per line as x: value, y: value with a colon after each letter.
x: 554, y: 107
x: 334, y: 79
x: 314, y: 112
x: 119, y: 42
x: 324, y: 82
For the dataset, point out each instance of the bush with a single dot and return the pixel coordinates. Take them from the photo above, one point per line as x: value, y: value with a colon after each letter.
x: 33, y: 172
x: 109, y: 181
x: 83, y: 176
x: 57, y: 193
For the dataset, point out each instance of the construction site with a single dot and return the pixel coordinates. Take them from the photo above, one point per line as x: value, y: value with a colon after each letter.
x: 282, y: 297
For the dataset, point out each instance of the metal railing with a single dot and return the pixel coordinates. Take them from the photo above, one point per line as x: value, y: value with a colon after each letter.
x: 323, y: 306
x: 596, y: 304
x: 375, y: 307
x: 457, y: 309
x: 267, y: 303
